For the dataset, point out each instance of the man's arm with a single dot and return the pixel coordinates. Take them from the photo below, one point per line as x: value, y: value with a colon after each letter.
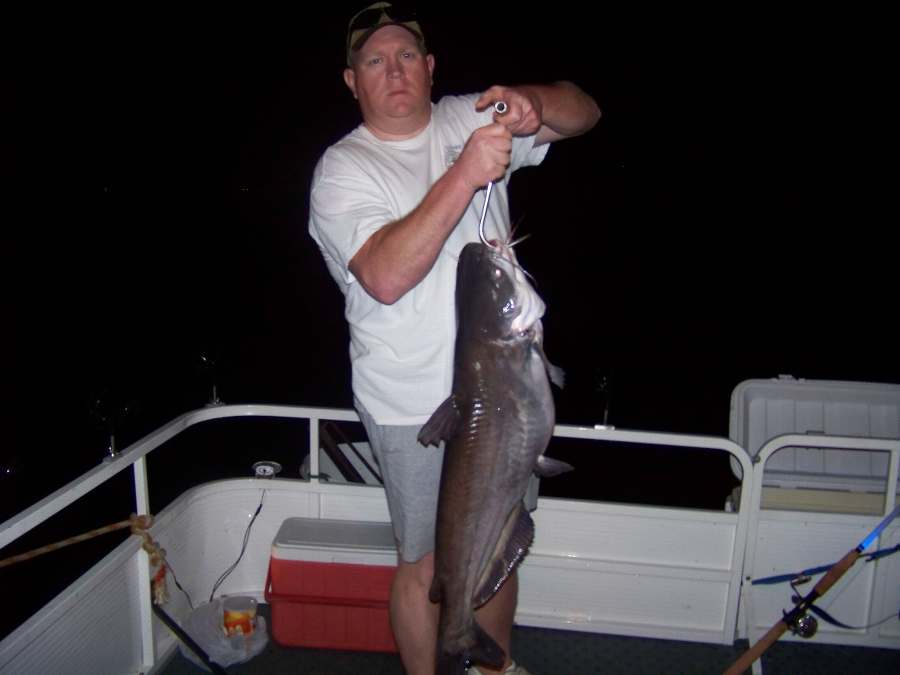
x: 399, y: 255
x: 551, y: 111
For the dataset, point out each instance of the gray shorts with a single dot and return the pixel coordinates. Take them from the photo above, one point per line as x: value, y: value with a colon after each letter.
x: 412, y: 476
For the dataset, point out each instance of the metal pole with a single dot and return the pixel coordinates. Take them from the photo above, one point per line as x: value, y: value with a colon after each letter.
x: 188, y: 640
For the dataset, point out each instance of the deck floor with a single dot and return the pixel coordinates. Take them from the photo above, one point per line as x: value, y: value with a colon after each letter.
x: 556, y: 652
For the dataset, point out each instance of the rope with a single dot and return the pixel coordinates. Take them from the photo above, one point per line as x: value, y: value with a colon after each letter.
x: 144, y: 521
x: 139, y: 525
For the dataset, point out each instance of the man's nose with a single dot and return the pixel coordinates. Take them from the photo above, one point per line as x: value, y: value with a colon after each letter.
x: 395, y: 68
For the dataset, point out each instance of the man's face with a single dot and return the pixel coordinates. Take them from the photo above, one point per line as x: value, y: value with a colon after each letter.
x: 391, y: 79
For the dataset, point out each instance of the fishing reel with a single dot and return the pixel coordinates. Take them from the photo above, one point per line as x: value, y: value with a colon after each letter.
x: 805, y: 625
x: 799, y: 620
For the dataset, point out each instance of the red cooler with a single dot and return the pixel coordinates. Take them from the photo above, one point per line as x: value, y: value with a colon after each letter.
x: 329, y: 583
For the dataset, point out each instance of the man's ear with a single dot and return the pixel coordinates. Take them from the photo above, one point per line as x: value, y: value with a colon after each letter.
x: 350, y: 80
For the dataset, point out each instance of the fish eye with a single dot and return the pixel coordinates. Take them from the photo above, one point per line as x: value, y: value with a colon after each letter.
x: 497, y: 273
x: 509, y: 306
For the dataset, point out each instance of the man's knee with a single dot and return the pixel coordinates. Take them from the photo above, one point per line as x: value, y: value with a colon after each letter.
x: 416, y: 575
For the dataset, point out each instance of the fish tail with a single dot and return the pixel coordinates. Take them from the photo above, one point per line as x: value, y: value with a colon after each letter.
x: 451, y: 664
x: 483, y: 650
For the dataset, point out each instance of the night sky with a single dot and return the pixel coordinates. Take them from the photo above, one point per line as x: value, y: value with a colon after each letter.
x: 158, y: 210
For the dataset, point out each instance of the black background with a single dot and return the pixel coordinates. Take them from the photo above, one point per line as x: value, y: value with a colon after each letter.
x: 157, y: 174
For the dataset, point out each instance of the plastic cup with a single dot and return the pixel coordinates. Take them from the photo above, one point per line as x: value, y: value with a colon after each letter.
x: 239, y: 613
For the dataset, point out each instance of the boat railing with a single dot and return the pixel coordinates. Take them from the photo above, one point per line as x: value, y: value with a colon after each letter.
x: 134, y: 456
x: 586, y: 546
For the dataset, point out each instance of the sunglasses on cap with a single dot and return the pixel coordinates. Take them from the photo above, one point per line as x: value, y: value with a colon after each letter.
x: 367, y: 20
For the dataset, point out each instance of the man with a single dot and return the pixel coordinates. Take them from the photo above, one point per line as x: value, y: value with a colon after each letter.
x: 392, y: 205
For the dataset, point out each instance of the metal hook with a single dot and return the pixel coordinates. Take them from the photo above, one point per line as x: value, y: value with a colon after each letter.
x: 500, y: 108
x: 487, y: 198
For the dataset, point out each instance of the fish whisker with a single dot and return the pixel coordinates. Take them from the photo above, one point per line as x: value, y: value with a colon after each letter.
x: 519, y: 240
x: 514, y: 229
x: 528, y: 274
x: 516, y: 265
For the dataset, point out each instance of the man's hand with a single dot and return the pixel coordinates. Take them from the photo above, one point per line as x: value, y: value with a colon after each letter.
x: 525, y: 114
x: 486, y: 156
x: 550, y: 111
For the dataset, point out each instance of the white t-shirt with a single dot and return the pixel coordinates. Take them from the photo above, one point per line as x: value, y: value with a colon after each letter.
x: 402, y: 354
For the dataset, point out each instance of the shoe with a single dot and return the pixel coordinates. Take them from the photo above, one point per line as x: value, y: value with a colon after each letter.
x: 514, y: 669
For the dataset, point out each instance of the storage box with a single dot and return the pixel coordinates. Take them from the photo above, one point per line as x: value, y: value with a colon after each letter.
x: 764, y: 409
x: 329, y: 584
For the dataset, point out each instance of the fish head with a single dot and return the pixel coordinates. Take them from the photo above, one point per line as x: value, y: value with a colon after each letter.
x: 493, y: 295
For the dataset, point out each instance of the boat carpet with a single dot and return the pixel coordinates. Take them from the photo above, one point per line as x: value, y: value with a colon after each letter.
x: 558, y: 652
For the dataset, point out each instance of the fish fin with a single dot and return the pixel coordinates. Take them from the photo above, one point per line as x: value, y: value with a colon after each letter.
x: 516, y: 537
x: 442, y: 424
x: 483, y: 650
x: 451, y: 664
x: 557, y: 375
x: 547, y: 467
x: 436, y: 592
x: 486, y: 650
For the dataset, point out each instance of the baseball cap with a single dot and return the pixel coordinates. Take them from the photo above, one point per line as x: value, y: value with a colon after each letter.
x: 378, y: 15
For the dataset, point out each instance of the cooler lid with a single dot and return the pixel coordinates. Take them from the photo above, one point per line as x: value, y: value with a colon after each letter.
x: 338, y: 534
x: 763, y: 409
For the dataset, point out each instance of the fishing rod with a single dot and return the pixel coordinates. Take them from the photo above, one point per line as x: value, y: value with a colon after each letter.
x: 794, y: 617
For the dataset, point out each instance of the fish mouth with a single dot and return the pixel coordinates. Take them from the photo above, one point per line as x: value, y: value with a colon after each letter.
x: 526, y: 303
x: 532, y: 311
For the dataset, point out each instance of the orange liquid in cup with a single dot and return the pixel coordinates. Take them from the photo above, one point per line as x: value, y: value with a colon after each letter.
x: 240, y: 616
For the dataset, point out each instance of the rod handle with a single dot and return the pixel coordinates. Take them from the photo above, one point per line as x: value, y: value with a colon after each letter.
x: 830, y: 579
